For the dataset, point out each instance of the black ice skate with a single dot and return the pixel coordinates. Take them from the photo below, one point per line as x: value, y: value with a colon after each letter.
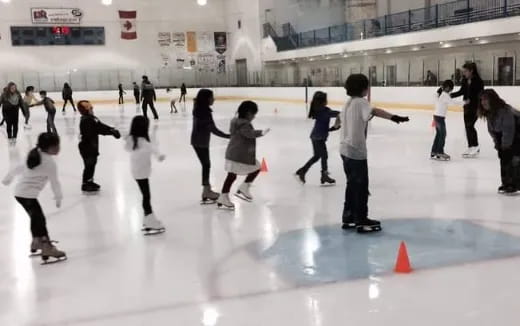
x: 369, y: 226
x: 326, y: 180
x: 50, y: 254
x: 440, y: 157
x: 509, y: 190
x: 90, y: 188
x: 300, y: 174
x: 209, y: 197
x: 349, y: 226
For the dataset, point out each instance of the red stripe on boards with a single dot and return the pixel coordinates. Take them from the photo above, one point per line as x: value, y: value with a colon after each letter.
x: 127, y: 14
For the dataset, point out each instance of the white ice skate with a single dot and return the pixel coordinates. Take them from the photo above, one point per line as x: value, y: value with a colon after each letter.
x: 223, y: 202
x: 441, y: 157
x: 244, y: 192
x: 27, y: 126
x: 472, y: 152
x: 152, y: 226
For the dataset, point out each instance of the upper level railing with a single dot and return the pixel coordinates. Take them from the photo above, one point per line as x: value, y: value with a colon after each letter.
x: 452, y: 13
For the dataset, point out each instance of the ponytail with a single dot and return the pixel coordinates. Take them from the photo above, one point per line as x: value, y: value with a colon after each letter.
x: 439, y: 91
x: 319, y: 100
x: 34, y: 158
x: 46, y: 140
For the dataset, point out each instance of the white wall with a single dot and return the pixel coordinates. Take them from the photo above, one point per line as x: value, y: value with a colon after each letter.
x: 153, y: 17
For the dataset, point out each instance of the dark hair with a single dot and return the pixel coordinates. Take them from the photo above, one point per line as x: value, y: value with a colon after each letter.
x: 495, y: 104
x: 139, y: 128
x: 472, y: 66
x: 46, y: 140
x: 29, y: 89
x: 356, y: 84
x: 446, y: 84
x: 7, y: 90
x: 145, y: 77
x: 66, y: 85
x: 202, y: 100
x: 319, y: 100
x: 81, y: 107
x: 245, y: 108
x: 43, y: 93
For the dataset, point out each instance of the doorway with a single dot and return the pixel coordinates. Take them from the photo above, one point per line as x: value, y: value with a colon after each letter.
x: 241, y: 66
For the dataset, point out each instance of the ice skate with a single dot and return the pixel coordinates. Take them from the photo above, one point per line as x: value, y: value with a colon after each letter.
x: 326, y: 180
x: 348, y: 226
x: 223, y: 202
x: 244, y: 192
x: 472, y: 152
x: 49, y: 251
x: 209, y: 197
x: 152, y: 226
x: 368, y: 226
x: 89, y: 188
x: 36, y: 247
x: 441, y: 157
x: 501, y: 189
x: 508, y: 190
x: 300, y: 174
x: 27, y: 126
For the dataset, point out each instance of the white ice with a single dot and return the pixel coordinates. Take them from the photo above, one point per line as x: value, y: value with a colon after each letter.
x: 281, y: 260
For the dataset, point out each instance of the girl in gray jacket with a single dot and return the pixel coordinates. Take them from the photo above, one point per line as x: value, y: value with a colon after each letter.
x: 504, y: 127
x: 241, y: 154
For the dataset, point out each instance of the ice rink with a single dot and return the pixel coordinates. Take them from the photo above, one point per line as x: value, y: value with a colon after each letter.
x: 281, y: 260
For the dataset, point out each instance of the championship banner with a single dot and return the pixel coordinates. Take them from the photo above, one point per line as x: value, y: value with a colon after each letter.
x: 56, y: 16
x: 128, y: 24
x: 220, y: 42
x: 192, y: 41
x: 206, y: 62
x: 179, y: 41
x: 165, y: 39
x: 221, y: 64
x: 205, y: 42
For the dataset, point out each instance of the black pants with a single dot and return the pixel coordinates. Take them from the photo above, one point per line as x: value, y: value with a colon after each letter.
x: 26, y: 112
x: 89, y: 162
x: 35, y: 212
x: 182, y: 98
x: 11, y: 118
x: 68, y: 99
x: 440, y: 136
x: 470, y: 118
x: 150, y: 103
x: 320, y: 152
x: 509, y: 168
x: 136, y: 95
x: 51, y: 127
x: 231, y: 177
x: 203, y: 155
x: 144, y: 186
x: 356, y: 195
x: 121, y: 99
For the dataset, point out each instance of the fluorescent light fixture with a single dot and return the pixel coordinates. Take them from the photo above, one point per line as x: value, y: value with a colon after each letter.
x: 441, y: 43
x: 477, y: 38
x: 106, y: 2
x: 202, y: 2
x: 415, y: 48
x: 388, y: 51
x: 6, y: 1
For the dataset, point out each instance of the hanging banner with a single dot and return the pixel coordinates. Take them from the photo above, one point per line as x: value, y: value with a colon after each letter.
x: 164, y: 38
x: 165, y: 57
x: 56, y: 16
x: 205, y: 42
x: 220, y: 42
x: 221, y: 64
x: 128, y: 24
x: 191, y: 41
x: 206, y: 61
x: 179, y: 41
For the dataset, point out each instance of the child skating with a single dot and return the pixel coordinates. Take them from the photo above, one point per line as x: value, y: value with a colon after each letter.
x: 141, y: 150
x: 48, y: 104
x: 353, y: 148
x: 172, y: 102
x: 241, y: 154
x: 439, y: 117
x: 90, y: 128
x: 319, y: 135
x: 39, y: 168
x: 27, y: 101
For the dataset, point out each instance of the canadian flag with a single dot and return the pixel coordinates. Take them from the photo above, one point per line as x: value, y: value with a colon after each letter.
x: 128, y: 24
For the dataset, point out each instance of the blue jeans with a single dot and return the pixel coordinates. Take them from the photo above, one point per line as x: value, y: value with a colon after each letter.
x: 440, y: 136
x: 356, y: 195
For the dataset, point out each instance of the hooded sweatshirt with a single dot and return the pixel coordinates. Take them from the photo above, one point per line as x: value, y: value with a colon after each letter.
x: 242, y: 145
x: 504, y: 128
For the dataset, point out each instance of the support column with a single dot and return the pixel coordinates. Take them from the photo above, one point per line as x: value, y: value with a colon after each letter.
x: 357, y: 10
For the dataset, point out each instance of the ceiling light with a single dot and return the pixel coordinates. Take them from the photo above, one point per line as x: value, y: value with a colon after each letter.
x: 477, y: 38
x: 388, y: 51
x: 106, y: 2
x: 202, y: 2
x: 415, y: 48
x: 6, y: 1
x: 441, y: 43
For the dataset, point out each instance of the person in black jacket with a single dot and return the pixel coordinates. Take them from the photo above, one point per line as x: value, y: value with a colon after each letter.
x: 48, y: 104
x: 66, y: 94
x: 121, y: 93
x: 90, y: 129
x: 203, y: 127
x: 137, y: 93
x: 11, y: 102
x: 472, y: 86
x: 149, y: 97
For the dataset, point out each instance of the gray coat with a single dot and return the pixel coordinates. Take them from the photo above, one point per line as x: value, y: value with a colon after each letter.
x: 503, y: 127
x: 242, y: 145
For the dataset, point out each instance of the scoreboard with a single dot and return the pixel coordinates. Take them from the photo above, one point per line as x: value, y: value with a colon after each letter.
x: 56, y: 35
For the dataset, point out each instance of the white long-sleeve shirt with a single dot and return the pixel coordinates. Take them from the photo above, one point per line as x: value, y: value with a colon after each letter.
x: 32, y: 181
x: 141, y: 157
x: 442, y: 102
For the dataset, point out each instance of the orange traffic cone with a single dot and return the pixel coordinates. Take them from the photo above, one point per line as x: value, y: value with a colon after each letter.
x: 402, y: 265
x: 263, y: 167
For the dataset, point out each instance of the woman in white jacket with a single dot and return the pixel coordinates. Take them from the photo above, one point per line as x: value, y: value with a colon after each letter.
x: 38, y: 170
x: 141, y: 150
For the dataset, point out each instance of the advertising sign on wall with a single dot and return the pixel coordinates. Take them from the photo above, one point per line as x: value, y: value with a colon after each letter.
x: 56, y: 16
x: 179, y: 41
x: 164, y: 38
x: 220, y: 42
x: 192, y: 41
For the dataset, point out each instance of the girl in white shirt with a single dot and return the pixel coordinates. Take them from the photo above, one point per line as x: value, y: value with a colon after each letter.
x: 141, y: 150
x: 442, y: 102
x: 39, y: 168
